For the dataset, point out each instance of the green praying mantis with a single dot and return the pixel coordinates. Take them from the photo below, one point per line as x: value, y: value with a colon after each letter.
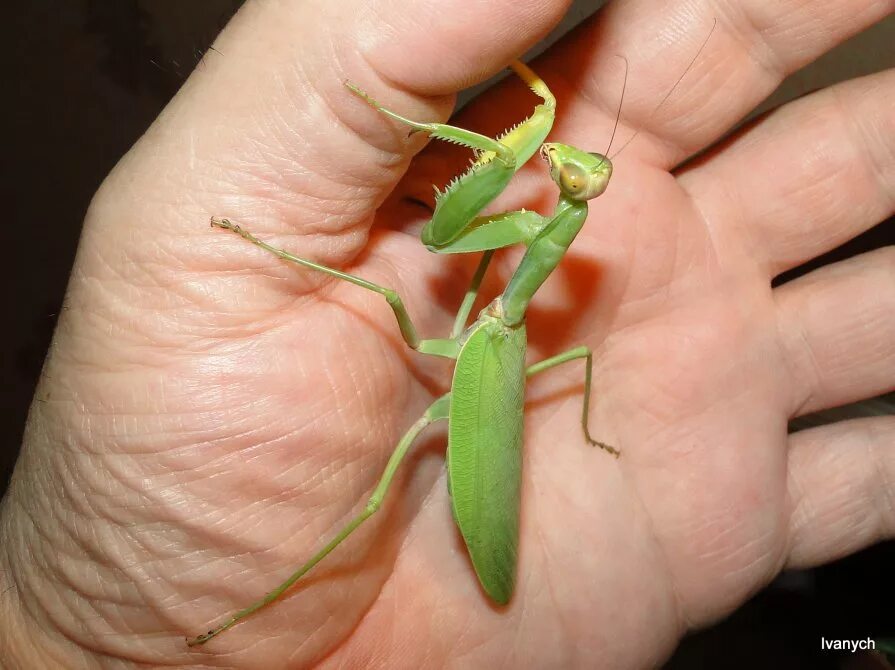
x: 484, y: 407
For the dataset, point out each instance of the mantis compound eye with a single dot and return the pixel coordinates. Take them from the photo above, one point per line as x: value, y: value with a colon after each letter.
x: 572, y: 179
x: 583, y: 180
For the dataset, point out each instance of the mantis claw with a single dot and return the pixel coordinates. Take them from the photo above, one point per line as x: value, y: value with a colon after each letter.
x: 596, y: 443
x: 227, y: 224
x: 202, y: 639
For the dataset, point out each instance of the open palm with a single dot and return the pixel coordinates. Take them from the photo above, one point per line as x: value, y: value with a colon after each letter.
x: 224, y: 413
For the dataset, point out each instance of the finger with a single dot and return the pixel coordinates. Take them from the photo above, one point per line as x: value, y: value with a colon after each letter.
x: 838, y: 330
x: 753, y: 47
x: 807, y: 178
x: 841, y: 488
x: 265, y: 129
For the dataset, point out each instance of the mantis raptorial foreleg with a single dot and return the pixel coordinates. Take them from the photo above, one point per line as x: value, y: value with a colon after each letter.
x: 437, y: 411
x: 436, y: 347
x: 572, y: 355
x: 487, y: 233
x: 497, y: 160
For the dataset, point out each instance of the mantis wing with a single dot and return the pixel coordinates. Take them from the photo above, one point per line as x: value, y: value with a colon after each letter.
x: 485, y: 450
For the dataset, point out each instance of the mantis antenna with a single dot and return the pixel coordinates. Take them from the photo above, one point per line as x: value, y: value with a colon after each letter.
x: 668, y: 95
x: 618, y: 112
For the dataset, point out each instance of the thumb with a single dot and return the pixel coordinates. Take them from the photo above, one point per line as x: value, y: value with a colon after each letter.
x: 264, y: 130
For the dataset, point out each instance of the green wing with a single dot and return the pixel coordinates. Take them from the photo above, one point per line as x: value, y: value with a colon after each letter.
x: 485, y: 450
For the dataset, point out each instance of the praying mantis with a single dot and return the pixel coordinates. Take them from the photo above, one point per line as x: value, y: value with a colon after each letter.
x: 484, y: 407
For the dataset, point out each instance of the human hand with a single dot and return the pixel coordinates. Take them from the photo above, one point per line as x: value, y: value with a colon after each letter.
x: 208, y: 415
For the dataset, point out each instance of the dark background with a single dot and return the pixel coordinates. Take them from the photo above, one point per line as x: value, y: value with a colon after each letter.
x: 86, y: 77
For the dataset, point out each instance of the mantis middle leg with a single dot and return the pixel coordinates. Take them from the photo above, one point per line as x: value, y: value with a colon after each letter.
x: 571, y: 355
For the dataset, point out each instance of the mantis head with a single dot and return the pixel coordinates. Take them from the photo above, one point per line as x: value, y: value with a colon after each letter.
x: 580, y: 175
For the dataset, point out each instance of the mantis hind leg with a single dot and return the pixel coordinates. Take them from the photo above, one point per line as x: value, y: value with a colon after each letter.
x: 435, y: 347
x: 436, y: 411
x: 571, y: 355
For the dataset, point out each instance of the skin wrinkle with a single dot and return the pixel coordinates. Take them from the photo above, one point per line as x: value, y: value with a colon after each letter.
x: 355, y: 379
x: 104, y: 287
x: 38, y: 600
x: 344, y: 190
x: 84, y: 356
x: 724, y: 528
x: 862, y: 144
x: 886, y: 486
x: 823, y: 197
x: 332, y: 652
x: 388, y: 160
x: 691, y: 616
x: 318, y: 473
x: 331, y: 223
x: 815, y: 518
x: 548, y: 587
x: 808, y: 369
x: 320, y: 480
x: 333, y: 472
x: 303, y: 293
x: 736, y: 212
x: 671, y: 283
x: 201, y: 526
x: 765, y: 565
x: 713, y: 231
x: 682, y: 621
x: 801, y: 509
x: 25, y: 605
x: 251, y: 183
x: 750, y: 36
x: 229, y: 177
x: 90, y: 599
x: 766, y: 131
x: 127, y: 571
x: 862, y: 328
x: 132, y: 449
x: 273, y: 164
